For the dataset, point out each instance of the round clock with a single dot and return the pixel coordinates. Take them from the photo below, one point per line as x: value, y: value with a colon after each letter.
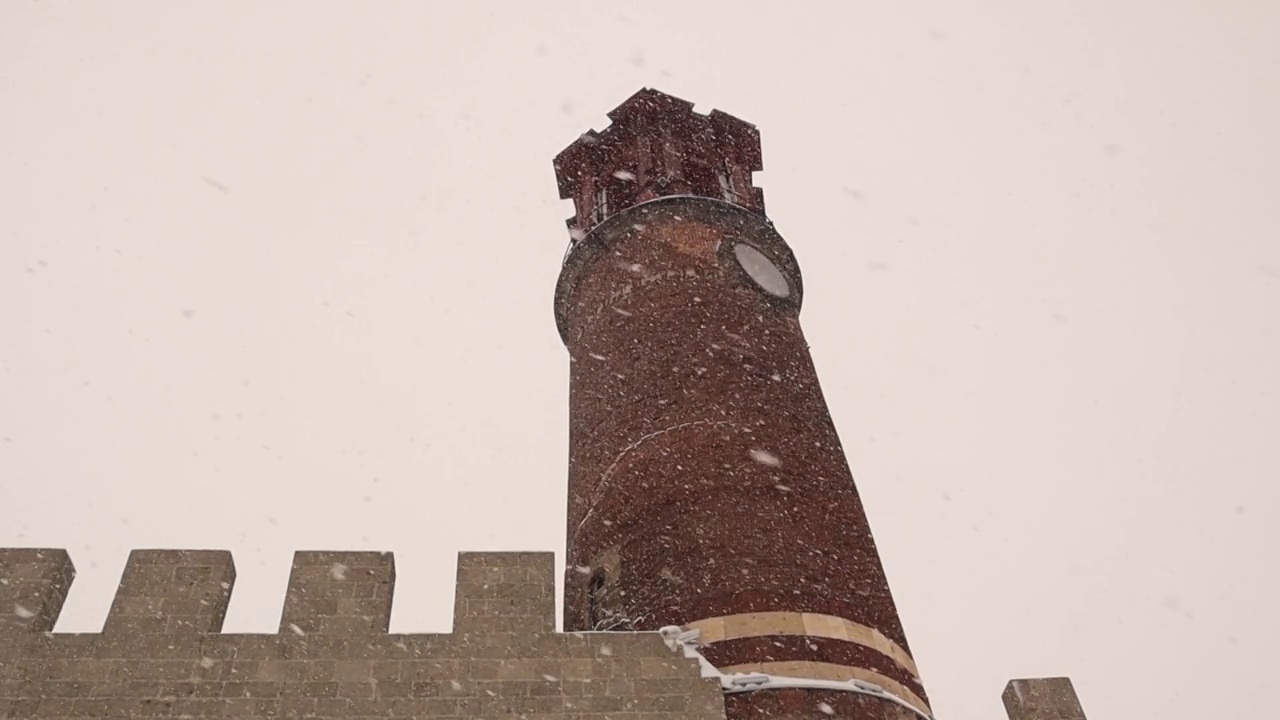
x: 762, y: 270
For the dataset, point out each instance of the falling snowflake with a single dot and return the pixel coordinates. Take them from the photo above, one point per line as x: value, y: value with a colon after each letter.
x: 296, y: 630
x: 765, y: 457
x: 207, y: 662
x: 783, y: 488
x: 606, y: 651
x: 551, y: 678
x: 598, y: 356
x: 338, y: 571
x: 576, y: 234
x: 624, y: 175
x: 620, y: 311
x: 583, y: 569
x: 826, y: 709
x: 23, y: 612
x: 457, y: 686
x: 777, y: 377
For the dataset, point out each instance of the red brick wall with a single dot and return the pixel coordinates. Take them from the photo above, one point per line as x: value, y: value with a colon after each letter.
x: 705, y: 476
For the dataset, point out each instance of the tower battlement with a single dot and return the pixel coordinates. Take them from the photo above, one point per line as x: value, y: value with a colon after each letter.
x: 655, y: 146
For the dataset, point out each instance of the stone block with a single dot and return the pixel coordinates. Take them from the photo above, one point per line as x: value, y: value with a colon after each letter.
x: 339, y: 593
x: 33, y: 587
x: 505, y: 593
x: 172, y: 592
x: 1042, y: 699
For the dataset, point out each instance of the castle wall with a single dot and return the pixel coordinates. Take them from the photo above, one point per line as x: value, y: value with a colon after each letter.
x: 161, y: 652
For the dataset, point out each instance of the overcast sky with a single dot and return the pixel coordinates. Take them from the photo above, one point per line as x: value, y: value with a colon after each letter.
x: 278, y: 276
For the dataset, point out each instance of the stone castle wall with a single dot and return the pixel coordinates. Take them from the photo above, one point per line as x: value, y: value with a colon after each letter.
x: 162, y: 654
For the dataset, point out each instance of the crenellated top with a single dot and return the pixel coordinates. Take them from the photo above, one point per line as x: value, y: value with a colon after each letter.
x: 162, y: 652
x: 185, y: 592
x: 656, y: 146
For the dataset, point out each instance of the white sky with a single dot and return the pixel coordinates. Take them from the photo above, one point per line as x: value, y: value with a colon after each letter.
x: 278, y: 276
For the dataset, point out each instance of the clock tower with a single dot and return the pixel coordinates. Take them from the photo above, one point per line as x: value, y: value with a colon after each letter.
x: 707, y: 485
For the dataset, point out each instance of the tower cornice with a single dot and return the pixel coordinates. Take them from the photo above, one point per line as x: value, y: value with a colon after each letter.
x: 733, y: 223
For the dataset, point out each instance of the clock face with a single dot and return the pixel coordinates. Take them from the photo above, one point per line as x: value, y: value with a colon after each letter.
x: 762, y: 270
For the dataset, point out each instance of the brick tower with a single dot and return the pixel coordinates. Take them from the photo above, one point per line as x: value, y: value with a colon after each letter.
x: 707, y: 486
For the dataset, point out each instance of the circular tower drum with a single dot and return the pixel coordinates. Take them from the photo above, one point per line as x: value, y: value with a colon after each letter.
x: 707, y: 485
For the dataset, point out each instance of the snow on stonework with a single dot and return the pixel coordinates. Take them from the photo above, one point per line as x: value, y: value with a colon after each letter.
x: 764, y: 457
